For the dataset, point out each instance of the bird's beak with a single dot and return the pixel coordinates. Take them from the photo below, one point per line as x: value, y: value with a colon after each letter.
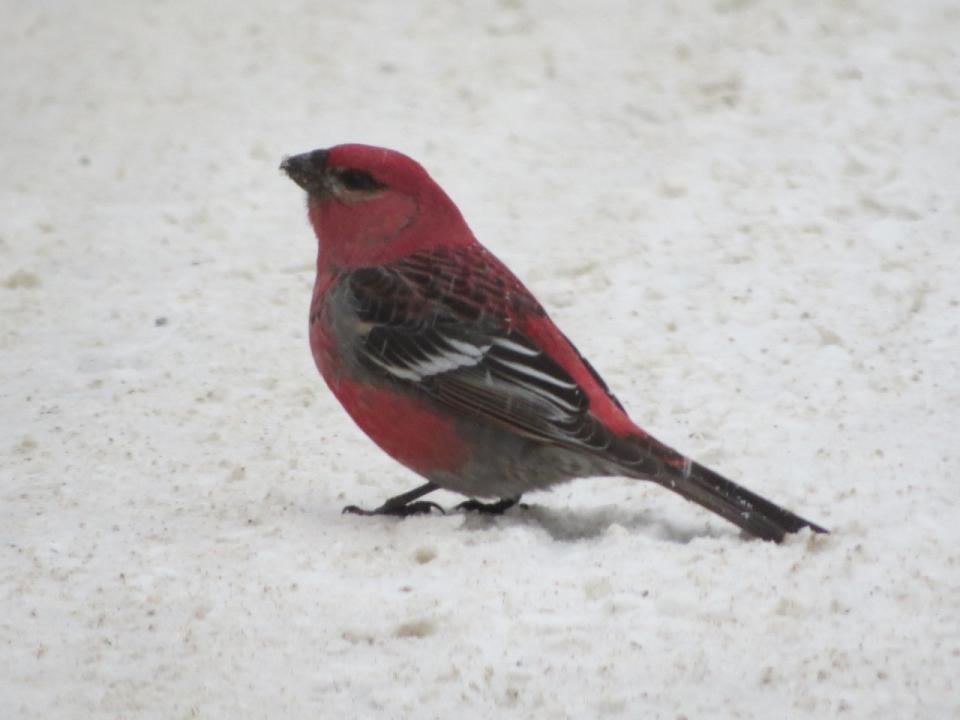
x: 309, y: 171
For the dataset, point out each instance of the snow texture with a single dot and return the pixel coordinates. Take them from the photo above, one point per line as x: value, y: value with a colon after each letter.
x: 744, y: 213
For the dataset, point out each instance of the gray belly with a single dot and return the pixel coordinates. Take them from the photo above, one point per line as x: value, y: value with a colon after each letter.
x: 505, y: 465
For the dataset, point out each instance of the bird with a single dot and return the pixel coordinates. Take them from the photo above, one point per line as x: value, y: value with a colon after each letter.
x: 442, y: 356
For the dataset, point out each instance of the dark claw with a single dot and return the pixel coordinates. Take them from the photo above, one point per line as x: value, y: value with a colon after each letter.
x: 354, y: 510
x: 494, y: 508
x: 422, y: 507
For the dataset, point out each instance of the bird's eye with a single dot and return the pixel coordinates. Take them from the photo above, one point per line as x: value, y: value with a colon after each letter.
x: 360, y: 180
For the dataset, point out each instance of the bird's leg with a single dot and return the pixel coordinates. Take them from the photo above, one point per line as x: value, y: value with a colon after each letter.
x: 494, y: 508
x: 402, y: 505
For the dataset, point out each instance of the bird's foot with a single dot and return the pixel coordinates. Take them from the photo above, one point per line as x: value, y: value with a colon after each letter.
x: 494, y: 508
x: 421, y: 507
x: 402, y: 505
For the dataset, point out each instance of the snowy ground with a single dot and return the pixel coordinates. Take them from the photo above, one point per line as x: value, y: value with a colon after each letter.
x: 744, y: 213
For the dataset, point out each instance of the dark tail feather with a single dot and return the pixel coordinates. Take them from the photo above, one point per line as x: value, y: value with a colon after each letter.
x: 743, y: 508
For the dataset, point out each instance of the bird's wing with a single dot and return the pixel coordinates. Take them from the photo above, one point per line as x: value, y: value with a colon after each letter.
x: 439, y: 325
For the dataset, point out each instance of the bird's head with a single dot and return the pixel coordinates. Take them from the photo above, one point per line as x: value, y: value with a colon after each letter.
x: 369, y: 204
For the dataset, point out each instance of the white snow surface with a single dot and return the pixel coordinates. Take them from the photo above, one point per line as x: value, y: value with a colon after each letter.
x: 744, y: 213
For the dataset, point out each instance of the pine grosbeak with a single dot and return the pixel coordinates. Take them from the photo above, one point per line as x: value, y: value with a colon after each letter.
x: 452, y: 367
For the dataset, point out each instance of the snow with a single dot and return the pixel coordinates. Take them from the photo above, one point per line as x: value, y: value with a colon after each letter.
x: 745, y: 214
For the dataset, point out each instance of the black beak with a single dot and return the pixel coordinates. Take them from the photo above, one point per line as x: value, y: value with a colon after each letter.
x: 308, y: 170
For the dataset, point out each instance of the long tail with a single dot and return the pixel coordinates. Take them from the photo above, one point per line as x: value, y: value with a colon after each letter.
x: 757, y: 515
x: 649, y: 459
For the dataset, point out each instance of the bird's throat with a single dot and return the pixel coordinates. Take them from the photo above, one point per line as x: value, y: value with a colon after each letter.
x: 363, y: 232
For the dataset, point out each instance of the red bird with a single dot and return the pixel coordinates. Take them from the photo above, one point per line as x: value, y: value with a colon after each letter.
x: 442, y: 356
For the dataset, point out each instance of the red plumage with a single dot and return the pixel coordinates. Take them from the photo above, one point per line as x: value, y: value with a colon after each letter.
x: 442, y: 356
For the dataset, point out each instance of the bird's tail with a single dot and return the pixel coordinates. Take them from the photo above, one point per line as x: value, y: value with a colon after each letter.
x: 757, y: 515
x: 747, y: 510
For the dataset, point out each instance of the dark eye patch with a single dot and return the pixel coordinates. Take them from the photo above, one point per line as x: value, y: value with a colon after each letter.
x: 353, y: 179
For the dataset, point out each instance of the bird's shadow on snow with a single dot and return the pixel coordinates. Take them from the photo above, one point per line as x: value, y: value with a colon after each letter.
x: 585, y: 524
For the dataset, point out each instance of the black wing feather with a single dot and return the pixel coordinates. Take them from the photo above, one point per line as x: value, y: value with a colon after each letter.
x: 433, y: 333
